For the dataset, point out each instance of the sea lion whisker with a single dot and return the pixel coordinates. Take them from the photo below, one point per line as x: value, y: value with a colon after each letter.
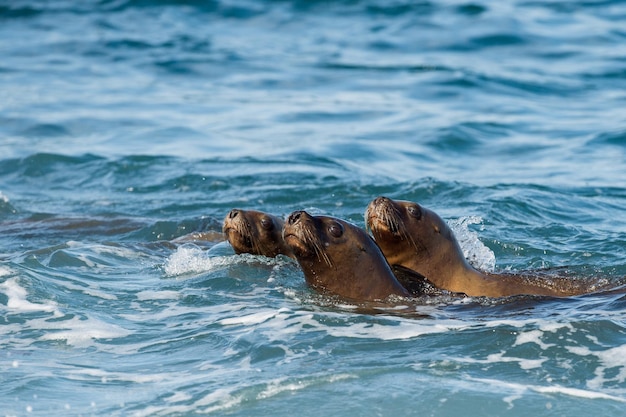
x: 317, y: 247
x: 418, y: 248
x: 247, y: 234
x: 397, y: 226
x: 413, y: 241
x: 327, y: 259
x: 392, y: 219
x: 245, y: 230
x: 368, y: 215
x: 312, y: 241
x: 256, y: 246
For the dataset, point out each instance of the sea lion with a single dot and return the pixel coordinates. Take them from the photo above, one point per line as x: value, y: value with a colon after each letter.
x: 414, y: 237
x: 340, y: 258
x: 255, y: 232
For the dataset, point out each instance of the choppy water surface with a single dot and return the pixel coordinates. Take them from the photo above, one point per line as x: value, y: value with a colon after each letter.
x: 128, y: 127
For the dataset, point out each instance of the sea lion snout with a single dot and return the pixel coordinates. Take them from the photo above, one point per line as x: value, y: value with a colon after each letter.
x: 300, y: 234
x: 295, y: 216
x: 227, y: 224
x: 382, y: 213
x: 379, y: 204
x: 228, y: 220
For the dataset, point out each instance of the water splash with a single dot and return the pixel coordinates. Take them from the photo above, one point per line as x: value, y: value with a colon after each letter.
x: 475, y: 251
x: 190, y: 259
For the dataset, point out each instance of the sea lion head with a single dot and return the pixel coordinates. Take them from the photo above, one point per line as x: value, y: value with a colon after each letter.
x: 339, y: 257
x: 411, y: 235
x: 255, y: 232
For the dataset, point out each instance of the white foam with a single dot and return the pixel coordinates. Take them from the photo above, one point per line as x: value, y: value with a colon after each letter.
x: 91, y: 255
x: 17, y: 298
x: 523, y: 363
x: 553, y: 327
x: 178, y: 397
x: 119, y: 251
x: 157, y: 295
x: 613, y: 359
x: 190, y: 259
x: 100, y: 294
x: 251, y: 319
x: 400, y: 331
x: 88, y: 374
x: 575, y: 392
x: 223, y: 399
x: 219, y: 400
x: 92, y: 291
x: 479, y: 255
x: 169, y: 409
x: 5, y: 271
x: 81, y: 332
x: 275, y: 325
x: 500, y: 358
x: 542, y: 324
x: 520, y: 389
x: 175, y: 310
x: 281, y: 385
x: 279, y: 324
x: 533, y: 336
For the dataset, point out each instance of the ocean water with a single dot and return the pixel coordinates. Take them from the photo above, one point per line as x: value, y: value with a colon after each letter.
x: 129, y: 128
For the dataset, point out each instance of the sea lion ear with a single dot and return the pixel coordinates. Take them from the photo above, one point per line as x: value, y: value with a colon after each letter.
x: 437, y: 230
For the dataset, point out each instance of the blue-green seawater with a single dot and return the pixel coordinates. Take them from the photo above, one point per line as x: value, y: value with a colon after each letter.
x: 126, y: 126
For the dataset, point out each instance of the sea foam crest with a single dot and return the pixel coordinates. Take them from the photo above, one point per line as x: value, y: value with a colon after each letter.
x: 82, y: 332
x: 74, y: 331
x: 475, y: 251
x: 5, y: 271
x: 611, y: 368
x: 189, y: 259
x: 282, y: 323
x: 518, y: 390
x: 17, y: 301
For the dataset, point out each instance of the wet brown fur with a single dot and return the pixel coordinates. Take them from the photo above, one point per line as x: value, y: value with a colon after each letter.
x: 255, y: 232
x: 340, y: 258
x: 414, y: 237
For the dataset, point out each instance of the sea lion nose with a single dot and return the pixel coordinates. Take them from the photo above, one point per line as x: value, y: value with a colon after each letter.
x: 233, y: 213
x: 380, y: 200
x: 294, y: 217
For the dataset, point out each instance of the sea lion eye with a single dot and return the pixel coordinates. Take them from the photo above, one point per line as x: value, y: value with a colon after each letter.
x: 267, y: 223
x: 415, y: 211
x: 335, y: 230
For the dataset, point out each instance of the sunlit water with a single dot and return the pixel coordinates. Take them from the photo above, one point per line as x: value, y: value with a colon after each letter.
x: 128, y: 126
